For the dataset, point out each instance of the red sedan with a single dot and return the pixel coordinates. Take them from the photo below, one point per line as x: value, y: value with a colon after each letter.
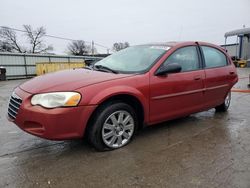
x: 138, y: 86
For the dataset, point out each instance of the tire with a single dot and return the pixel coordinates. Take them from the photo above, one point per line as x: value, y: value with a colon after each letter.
x: 225, y: 105
x: 110, y: 129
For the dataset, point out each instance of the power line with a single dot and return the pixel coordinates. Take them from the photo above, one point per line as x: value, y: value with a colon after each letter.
x: 57, y: 37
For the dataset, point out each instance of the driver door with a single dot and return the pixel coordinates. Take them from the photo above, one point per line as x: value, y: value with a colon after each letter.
x: 178, y: 94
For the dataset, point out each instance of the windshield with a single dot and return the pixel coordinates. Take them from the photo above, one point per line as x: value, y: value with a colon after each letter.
x: 134, y: 59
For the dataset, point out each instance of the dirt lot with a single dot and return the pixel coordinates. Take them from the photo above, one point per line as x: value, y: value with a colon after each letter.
x: 206, y: 149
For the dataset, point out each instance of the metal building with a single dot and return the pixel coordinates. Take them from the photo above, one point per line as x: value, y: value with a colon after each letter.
x: 241, y: 49
x: 24, y: 65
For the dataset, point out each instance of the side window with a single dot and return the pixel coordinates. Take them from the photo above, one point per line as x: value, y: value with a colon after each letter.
x: 187, y: 57
x: 213, y: 57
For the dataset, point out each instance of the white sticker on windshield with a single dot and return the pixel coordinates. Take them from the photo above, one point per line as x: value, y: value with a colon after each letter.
x: 161, y: 47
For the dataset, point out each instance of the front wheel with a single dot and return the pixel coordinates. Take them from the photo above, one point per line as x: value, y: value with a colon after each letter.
x: 225, y: 105
x: 113, y: 127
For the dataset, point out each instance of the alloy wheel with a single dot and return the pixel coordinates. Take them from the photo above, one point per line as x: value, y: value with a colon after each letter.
x: 118, y: 129
x: 228, y: 99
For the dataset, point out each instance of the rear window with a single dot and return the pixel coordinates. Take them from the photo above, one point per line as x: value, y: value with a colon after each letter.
x: 213, y: 57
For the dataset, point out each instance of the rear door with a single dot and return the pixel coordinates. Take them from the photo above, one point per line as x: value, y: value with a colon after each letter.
x: 177, y: 94
x: 219, y: 75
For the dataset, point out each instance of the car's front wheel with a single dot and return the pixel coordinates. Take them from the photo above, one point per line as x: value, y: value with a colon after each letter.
x: 113, y: 126
x: 225, y: 105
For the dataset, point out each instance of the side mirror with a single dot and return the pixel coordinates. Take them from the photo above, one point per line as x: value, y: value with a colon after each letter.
x: 170, y: 68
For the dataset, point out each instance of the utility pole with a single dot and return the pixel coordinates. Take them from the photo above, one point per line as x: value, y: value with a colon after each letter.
x: 92, y: 47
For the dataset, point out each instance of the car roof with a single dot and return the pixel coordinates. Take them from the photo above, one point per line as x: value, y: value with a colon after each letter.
x: 181, y: 43
x: 169, y: 44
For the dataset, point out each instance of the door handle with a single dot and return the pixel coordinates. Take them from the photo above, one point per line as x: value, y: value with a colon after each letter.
x: 231, y: 72
x: 197, y: 77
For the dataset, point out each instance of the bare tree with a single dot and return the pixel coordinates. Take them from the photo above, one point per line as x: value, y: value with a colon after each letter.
x: 5, y: 47
x: 35, y: 38
x: 119, y: 46
x: 79, y: 47
x: 9, y: 41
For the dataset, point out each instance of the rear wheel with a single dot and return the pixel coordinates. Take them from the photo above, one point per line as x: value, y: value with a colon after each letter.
x: 225, y: 105
x: 113, y: 127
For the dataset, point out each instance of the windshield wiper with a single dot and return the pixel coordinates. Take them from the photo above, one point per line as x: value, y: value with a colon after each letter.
x: 104, y: 68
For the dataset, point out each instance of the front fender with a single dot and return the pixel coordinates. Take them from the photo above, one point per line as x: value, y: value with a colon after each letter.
x: 121, y: 90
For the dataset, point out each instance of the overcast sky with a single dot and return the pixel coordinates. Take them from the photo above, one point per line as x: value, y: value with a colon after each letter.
x: 135, y: 21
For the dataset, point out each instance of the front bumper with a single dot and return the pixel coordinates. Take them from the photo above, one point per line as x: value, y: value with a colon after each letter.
x: 53, y: 124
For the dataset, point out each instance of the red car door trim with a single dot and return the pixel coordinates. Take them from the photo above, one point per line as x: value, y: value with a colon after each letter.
x: 177, y: 94
x: 216, y: 87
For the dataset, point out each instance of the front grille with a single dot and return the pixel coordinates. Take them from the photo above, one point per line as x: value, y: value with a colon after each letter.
x: 14, y: 105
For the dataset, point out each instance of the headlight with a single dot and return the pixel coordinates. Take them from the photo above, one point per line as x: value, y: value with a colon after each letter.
x: 56, y: 99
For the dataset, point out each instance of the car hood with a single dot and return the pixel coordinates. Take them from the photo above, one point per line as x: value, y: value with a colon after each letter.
x: 67, y: 80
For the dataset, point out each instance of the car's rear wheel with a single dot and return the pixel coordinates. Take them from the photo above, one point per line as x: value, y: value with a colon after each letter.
x: 225, y: 105
x: 113, y: 126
